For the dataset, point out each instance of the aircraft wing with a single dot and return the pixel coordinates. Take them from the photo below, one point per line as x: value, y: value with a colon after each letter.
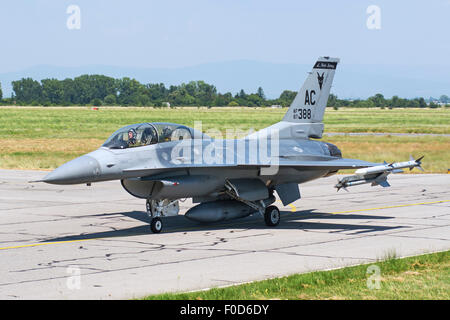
x: 333, y: 164
x: 336, y: 164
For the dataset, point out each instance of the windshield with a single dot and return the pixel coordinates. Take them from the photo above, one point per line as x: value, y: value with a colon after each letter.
x: 143, y: 134
x: 135, y: 135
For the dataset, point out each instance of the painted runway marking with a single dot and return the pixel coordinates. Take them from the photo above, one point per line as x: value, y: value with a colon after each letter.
x: 45, y: 243
x: 293, y: 209
x: 389, y: 207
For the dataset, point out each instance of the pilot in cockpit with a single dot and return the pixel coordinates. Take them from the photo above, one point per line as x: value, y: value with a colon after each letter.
x: 166, y: 134
x: 131, y: 137
x: 148, y: 137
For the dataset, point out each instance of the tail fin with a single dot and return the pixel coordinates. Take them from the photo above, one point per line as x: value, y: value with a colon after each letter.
x: 304, y: 118
x: 310, y: 102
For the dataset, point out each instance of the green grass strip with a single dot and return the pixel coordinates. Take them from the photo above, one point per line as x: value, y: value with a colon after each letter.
x: 421, y: 277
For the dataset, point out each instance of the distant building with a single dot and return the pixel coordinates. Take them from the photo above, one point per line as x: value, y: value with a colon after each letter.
x: 276, y: 106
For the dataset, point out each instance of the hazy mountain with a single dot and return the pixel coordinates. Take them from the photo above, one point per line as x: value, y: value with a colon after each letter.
x: 351, y: 81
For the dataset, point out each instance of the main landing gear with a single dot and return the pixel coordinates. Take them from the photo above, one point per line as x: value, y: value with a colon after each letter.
x: 272, y: 216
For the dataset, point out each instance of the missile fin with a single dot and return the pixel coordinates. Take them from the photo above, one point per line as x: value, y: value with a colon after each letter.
x: 419, y: 162
x: 384, y: 184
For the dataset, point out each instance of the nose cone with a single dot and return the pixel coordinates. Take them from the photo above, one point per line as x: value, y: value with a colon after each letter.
x: 80, y: 170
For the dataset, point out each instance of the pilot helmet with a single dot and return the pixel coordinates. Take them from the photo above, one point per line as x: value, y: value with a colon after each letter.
x: 132, y: 134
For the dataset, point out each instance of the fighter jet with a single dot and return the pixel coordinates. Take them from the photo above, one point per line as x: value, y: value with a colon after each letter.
x: 163, y: 163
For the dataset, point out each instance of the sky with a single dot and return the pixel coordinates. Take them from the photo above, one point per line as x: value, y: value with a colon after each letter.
x: 174, y: 34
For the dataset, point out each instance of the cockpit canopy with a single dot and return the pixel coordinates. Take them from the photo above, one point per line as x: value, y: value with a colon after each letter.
x: 143, y: 134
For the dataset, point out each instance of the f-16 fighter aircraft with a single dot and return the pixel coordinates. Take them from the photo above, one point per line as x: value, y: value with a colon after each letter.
x: 226, y: 178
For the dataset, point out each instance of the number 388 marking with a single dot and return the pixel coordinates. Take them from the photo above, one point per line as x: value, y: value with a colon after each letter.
x: 302, y: 113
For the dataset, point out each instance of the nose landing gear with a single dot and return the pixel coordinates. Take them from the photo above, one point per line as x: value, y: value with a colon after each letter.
x: 160, y: 208
x: 156, y: 225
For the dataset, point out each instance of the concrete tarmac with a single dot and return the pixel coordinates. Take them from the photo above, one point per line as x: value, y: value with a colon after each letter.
x: 80, y: 242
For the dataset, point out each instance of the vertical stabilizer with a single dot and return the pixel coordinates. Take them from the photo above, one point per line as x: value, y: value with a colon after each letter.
x: 304, y: 118
x: 310, y: 103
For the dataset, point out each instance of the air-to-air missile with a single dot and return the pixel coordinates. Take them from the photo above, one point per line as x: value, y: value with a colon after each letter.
x: 377, y: 175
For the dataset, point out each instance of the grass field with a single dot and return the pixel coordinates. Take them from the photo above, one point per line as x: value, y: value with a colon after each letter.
x: 44, y: 138
x: 422, y: 277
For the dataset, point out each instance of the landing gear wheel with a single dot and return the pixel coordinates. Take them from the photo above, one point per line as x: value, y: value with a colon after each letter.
x: 156, y: 225
x: 272, y: 216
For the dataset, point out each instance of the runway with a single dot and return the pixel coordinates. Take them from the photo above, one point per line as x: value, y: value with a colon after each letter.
x: 80, y: 242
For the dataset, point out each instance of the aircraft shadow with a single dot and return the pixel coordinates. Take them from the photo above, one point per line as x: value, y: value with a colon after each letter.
x: 289, y: 220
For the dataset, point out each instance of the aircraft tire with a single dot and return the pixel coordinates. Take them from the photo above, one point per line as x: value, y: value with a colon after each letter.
x: 272, y: 216
x: 156, y: 225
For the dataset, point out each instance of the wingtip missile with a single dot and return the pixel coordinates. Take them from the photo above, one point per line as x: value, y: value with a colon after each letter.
x: 377, y: 175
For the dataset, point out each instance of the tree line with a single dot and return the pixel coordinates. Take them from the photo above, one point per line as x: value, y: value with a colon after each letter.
x: 98, y: 90
x: 379, y: 101
x: 102, y: 90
